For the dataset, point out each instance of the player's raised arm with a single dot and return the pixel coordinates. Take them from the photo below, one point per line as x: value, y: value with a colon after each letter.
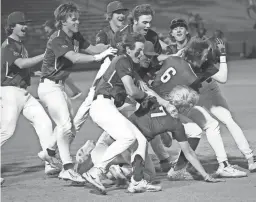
x: 222, y: 75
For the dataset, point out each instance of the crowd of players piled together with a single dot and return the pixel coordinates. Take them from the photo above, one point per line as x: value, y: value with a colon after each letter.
x: 144, y: 93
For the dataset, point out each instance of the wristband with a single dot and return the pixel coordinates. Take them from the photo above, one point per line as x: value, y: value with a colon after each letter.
x: 223, y: 59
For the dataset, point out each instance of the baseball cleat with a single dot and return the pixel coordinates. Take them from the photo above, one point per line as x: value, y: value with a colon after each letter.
x: 2, y: 180
x: 230, y: 172
x: 181, y: 174
x: 53, y: 161
x: 84, y: 152
x: 252, y: 167
x: 75, y: 96
x: 49, y: 170
x: 94, y: 177
x: 142, y: 186
x: 70, y: 174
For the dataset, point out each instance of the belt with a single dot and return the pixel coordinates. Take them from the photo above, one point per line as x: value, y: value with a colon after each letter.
x: 105, y: 96
x: 55, y: 81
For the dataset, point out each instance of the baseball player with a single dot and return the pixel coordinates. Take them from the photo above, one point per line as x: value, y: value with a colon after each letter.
x: 61, y: 53
x: 213, y: 101
x: 49, y: 28
x: 15, y: 78
x: 117, y: 83
x: 116, y: 16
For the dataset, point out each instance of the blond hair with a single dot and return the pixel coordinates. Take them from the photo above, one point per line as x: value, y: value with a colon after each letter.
x: 182, y: 97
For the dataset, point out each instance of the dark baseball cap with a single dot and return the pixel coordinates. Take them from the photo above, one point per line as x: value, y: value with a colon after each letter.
x: 16, y: 18
x: 149, y: 49
x: 115, y: 6
x: 178, y: 22
x: 49, y: 23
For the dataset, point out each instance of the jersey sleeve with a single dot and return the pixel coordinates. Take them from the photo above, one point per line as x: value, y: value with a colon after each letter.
x: 179, y: 132
x: 60, y: 46
x: 9, y: 56
x: 102, y: 37
x: 123, y: 68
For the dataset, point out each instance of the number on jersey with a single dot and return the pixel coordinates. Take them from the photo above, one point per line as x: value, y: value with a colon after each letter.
x: 160, y: 113
x: 167, y: 75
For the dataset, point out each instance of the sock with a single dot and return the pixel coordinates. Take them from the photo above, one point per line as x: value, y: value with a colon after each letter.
x: 182, y: 161
x: 68, y: 166
x: 51, y: 152
x: 138, y: 168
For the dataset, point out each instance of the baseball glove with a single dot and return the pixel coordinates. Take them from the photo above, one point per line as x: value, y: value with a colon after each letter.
x: 146, y: 105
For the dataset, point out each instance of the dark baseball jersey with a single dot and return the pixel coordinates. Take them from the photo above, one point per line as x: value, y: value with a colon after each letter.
x: 105, y: 36
x: 111, y: 83
x: 11, y: 74
x: 158, y: 121
x: 175, y: 71
x: 55, y: 65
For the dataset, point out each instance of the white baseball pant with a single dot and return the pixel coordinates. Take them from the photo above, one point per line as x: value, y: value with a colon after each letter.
x: 104, y: 113
x: 105, y: 141
x: 83, y: 110
x: 212, y: 99
x: 15, y: 100
x: 58, y: 104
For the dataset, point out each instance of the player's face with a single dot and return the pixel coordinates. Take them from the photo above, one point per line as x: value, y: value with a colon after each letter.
x: 179, y: 33
x: 118, y: 18
x: 145, y: 61
x: 143, y: 24
x: 72, y: 22
x: 137, y: 52
x: 20, y: 29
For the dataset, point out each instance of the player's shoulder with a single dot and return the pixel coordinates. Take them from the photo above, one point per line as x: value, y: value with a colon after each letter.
x: 8, y: 45
x: 152, y: 33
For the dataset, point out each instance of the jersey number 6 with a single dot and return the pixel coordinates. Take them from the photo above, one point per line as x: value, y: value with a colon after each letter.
x: 167, y: 75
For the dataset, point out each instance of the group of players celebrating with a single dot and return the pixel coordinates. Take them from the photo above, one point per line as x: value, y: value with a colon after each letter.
x: 142, y: 94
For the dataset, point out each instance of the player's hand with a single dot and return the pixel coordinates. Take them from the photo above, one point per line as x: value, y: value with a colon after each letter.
x: 210, y: 179
x: 221, y: 46
x: 149, y: 91
x: 142, y: 85
x: 180, y: 53
x: 108, y: 52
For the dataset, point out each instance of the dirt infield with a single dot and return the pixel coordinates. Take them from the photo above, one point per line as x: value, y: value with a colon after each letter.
x: 26, y: 181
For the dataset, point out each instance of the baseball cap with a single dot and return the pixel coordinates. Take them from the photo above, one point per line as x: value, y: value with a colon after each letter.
x: 115, y: 6
x: 16, y: 18
x: 149, y: 49
x: 49, y: 23
x: 178, y: 22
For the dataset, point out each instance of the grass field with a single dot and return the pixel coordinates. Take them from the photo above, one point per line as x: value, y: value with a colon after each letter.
x: 26, y: 181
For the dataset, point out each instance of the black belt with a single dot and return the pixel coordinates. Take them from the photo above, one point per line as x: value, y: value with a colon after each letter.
x: 56, y: 81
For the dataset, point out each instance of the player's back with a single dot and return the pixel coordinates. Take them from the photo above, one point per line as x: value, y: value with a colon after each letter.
x: 174, y: 71
x: 155, y: 122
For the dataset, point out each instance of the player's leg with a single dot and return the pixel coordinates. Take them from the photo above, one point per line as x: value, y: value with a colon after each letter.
x: 56, y: 101
x: 106, y: 115
x: 211, y: 127
x: 42, y: 124
x: 12, y: 101
x: 219, y: 108
x: 161, y: 153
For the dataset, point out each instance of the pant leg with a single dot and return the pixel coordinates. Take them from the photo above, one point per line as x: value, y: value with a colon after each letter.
x: 213, y: 100
x: 203, y: 119
x: 158, y: 148
x: 37, y: 116
x: 12, y: 102
x: 106, y: 115
x: 54, y: 98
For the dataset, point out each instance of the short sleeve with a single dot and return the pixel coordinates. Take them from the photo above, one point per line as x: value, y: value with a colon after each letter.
x: 123, y: 68
x: 179, y: 132
x: 9, y: 56
x: 60, y: 46
x: 102, y: 37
